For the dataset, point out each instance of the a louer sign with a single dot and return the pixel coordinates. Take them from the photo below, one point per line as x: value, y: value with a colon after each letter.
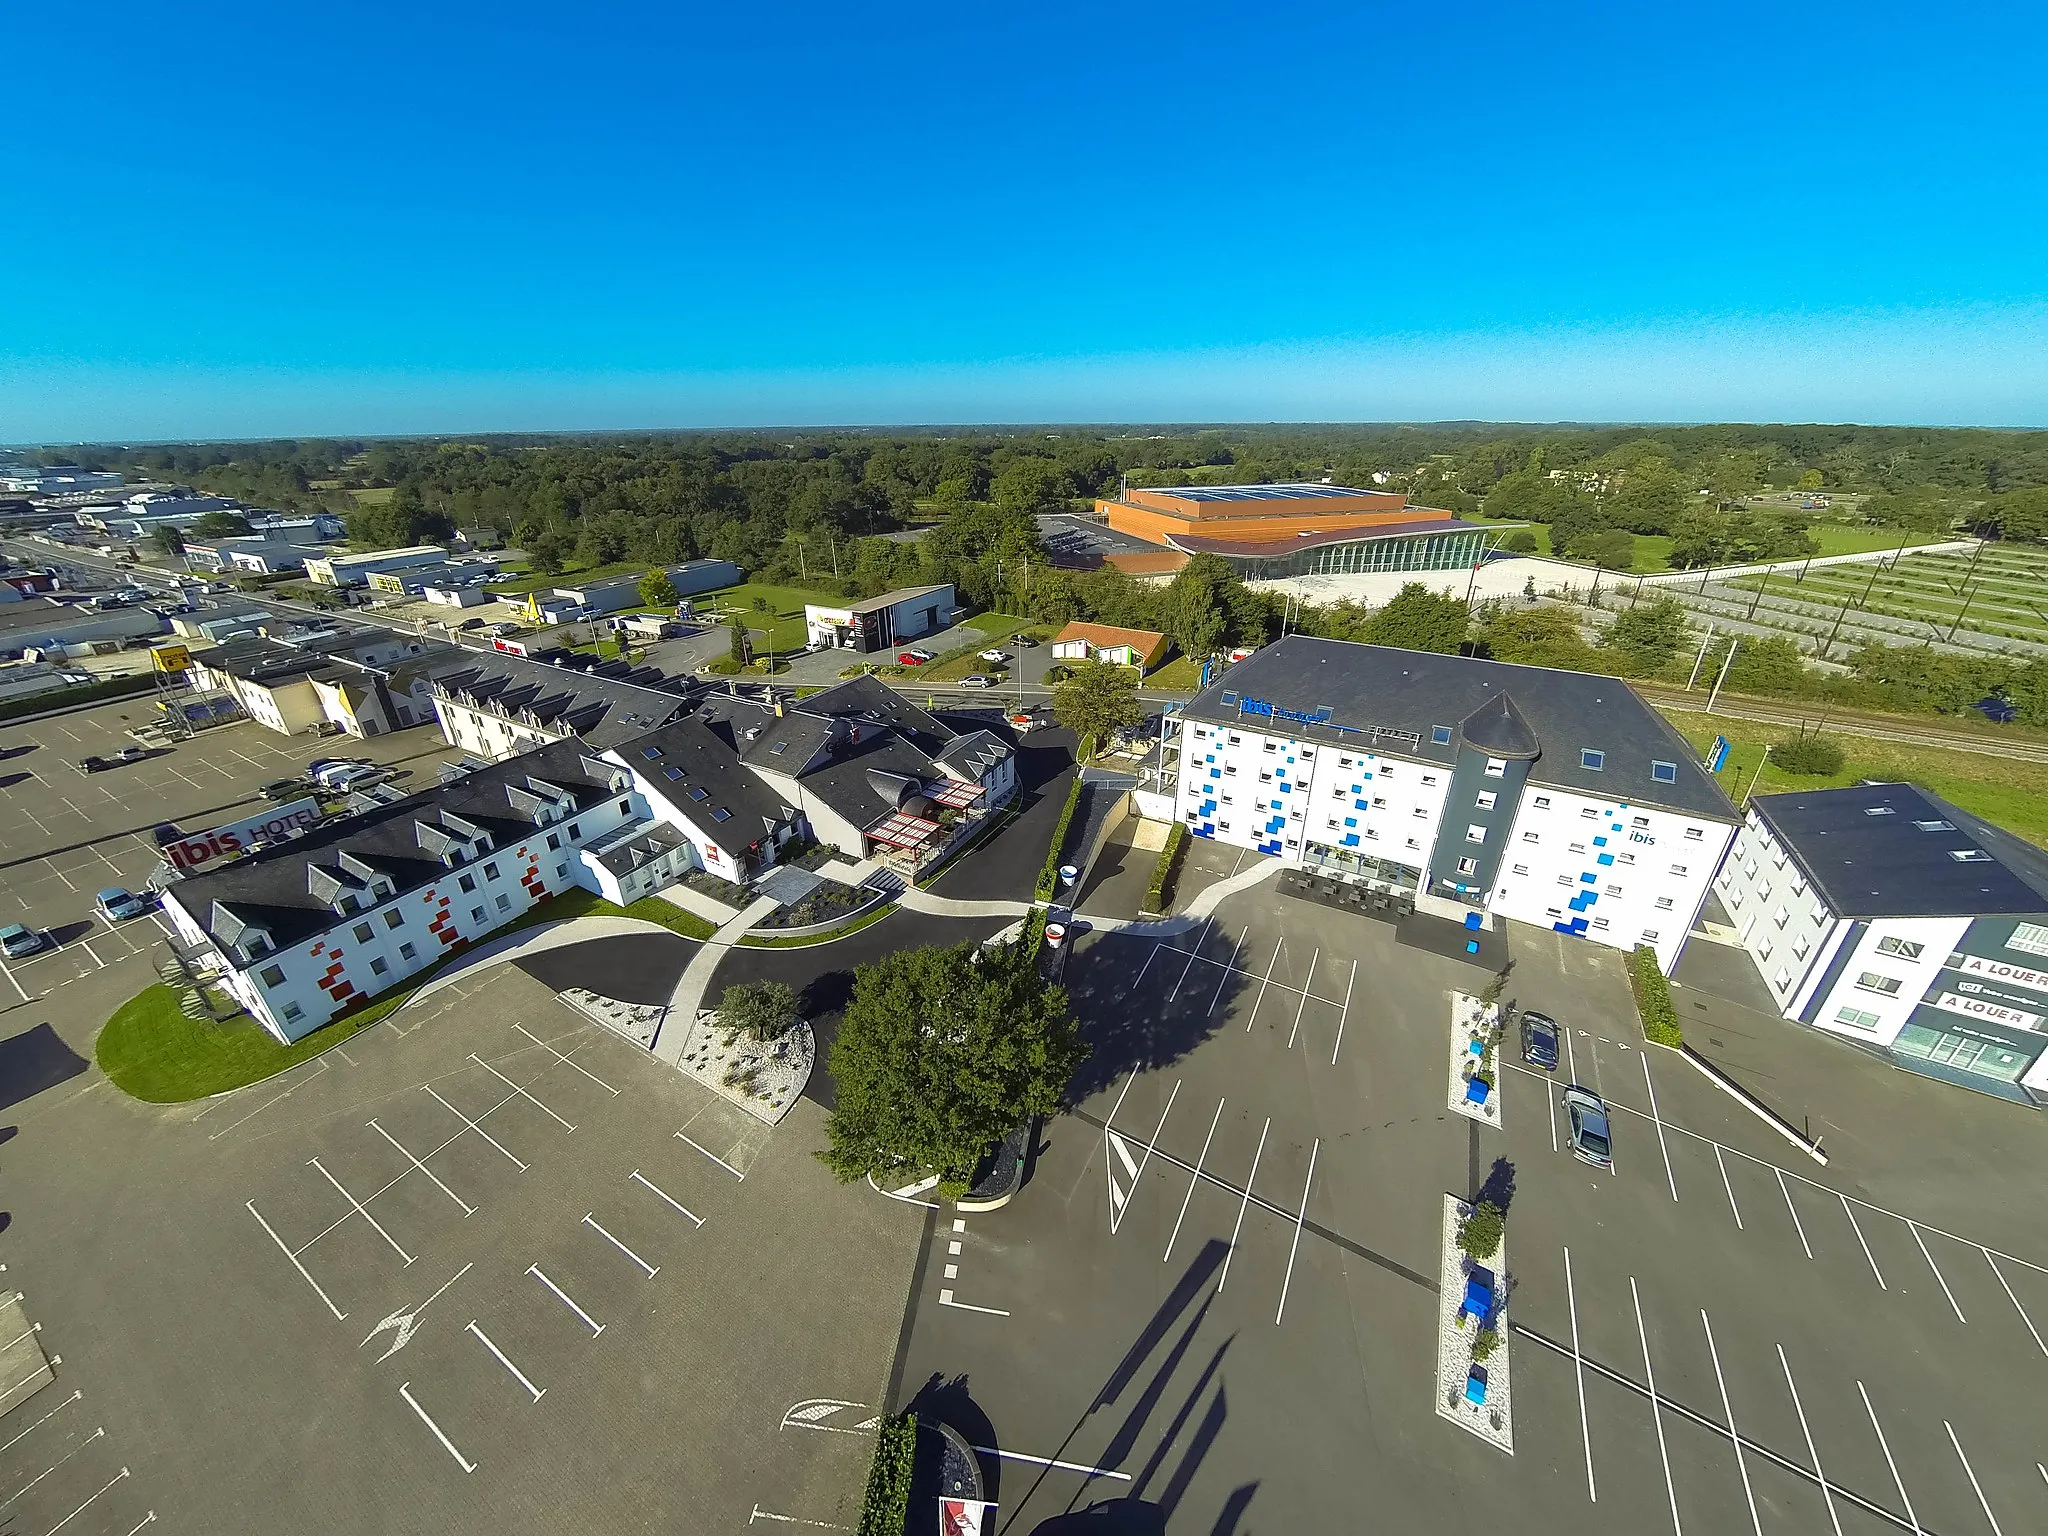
x: 189, y: 853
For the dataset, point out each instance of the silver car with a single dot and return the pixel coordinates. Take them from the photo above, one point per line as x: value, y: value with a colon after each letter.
x: 1586, y: 1118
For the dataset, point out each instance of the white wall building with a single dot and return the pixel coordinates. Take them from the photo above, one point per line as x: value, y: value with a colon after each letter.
x: 1888, y: 917
x: 356, y: 570
x: 1554, y: 798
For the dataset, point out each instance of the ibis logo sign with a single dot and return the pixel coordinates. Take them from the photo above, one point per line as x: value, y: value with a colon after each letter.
x: 189, y: 853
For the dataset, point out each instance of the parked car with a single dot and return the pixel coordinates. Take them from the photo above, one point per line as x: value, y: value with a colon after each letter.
x: 978, y: 680
x: 1024, y: 640
x: 93, y: 764
x: 1587, y: 1126
x: 471, y: 624
x: 911, y: 658
x: 993, y: 657
x: 131, y: 754
x: 117, y: 904
x: 1539, y: 1040
x: 340, y: 781
x: 284, y: 789
x: 16, y: 941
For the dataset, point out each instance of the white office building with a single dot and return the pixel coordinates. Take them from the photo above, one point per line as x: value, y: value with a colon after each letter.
x: 1553, y: 798
x: 1888, y: 917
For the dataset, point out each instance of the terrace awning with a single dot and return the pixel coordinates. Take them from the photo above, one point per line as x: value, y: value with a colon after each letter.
x: 954, y: 794
x: 902, y: 830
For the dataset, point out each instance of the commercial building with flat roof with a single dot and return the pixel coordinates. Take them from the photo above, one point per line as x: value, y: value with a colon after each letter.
x: 1554, y: 798
x: 1267, y: 532
x: 878, y: 623
x: 356, y: 570
x: 1884, y: 915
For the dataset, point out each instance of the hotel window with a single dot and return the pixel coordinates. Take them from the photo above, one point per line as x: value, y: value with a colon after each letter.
x: 574, y: 832
x: 1429, y: 778
x: 1613, y: 890
x: 1223, y: 826
x: 562, y: 870
x: 1763, y: 951
x: 271, y: 976
x: 1486, y: 800
x: 1649, y: 935
x: 1800, y: 946
x: 468, y: 882
x: 1588, y: 814
x: 490, y: 871
x: 1475, y: 834
x: 1873, y: 981
x: 1343, y: 762
x: 407, y: 952
x: 1468, y: 866
x: 1272, y: 746
x: 1694, y: 834
x: 1799, y: 885
x: 1229, y: 770
x: 1235, y: 739
x: 1578, y: 847
x: 1413, y: 843
x: 1593, y: 758
x: 1338, y: 793
x: 1599, y: 922
x: 1640, y: 821
x: 1496, y: 766
x: 293, y: 1013
x: 1379, y: 802
x: 1543, y: 802
x: 1265, y: 775
x: 1308, y: 754
x: 378, y: 965
x: 1624, y: 858
x: 1564, y: 879
x: 1735, y: 898
x: 1783, y: 979
x: 1531, y: 837
x: 476, y: 914
x: 1386, y: 770
x: 1678, y: 869
x: 1905, y: 949
x: 1421, y: 812
x: 1664, y: 773
x: 504, y: 903
x: 1856, y: 1018
x: 1663, y: 903
x: 1521, y: 869
x: 1781, y: 915
x: 363, y: 933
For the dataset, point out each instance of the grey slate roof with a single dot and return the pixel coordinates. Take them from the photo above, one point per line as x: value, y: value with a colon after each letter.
x: 848, y: 784
x: 1884, y: 865
x: 1407, y: 694
x: 692, y: 754
x: 604, y: 711
x: 273, y: 889
x: 1498, y: 727
x: 971, y: 755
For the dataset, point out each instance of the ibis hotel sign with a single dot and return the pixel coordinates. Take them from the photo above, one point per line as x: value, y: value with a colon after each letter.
x: 189, y: 853
x: 1272, y: 711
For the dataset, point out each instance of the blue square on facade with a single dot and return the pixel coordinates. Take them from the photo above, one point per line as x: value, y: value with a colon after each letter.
x: 1350, y: 821
x: 1350, y: 839
x: 1599, y: 842
x: 1615, y: 827
x: 1210, y: 758
x: 1215, y: 773
x: 1589, y: 879
x: 1605, y: 858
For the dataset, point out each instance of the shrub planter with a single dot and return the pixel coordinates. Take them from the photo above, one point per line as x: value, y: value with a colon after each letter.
x: 1473, y: 1392
x: 1474, y: 1085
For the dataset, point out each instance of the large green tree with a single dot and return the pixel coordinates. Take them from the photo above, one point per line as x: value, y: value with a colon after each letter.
x: 1096, y: 698
x: 657, y: 591
x: 1417, y: 619
x: 1648, y: 634
x: 1196, y: 608
x: 220, y: 525
x: 941, y: 1053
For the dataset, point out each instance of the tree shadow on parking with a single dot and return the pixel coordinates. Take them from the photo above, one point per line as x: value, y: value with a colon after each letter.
x: 31, y: 1061
x: 1498, y: 1190
x: 940, y: 1401
x: 1147, y: 1003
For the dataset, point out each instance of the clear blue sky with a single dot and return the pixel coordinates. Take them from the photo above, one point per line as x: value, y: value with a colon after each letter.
x: 277, y: 219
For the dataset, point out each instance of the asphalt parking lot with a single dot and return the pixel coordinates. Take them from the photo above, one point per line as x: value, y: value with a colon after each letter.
x: 66, y: 834
x: 1212, y: 1307
x: 486, y: 1267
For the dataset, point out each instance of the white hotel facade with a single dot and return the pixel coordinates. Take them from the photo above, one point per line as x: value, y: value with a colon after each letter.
x: 1553, y: 798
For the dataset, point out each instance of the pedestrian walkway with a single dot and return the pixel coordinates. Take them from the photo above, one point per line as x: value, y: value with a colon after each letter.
x: 911, y: 899
x: 534, y: 940
x: 688, y: 1000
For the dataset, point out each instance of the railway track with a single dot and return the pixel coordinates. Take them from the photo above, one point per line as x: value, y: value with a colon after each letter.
x: 1849, y: 722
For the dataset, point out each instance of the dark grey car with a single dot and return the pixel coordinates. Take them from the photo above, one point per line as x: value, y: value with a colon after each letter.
x: 1586, y: 1121
x: 1539, y: 1040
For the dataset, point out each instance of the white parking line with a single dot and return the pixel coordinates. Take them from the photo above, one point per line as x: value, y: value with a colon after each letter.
x: 517, y: 1374
x: 148, y: 1519
x: 1344, y: 1014
x: 652, y: 1269
x: 946, y: 1300
x: 1047, y: 1461
x: 1231, y: 1252
x: 1866, y: 1247
x: 97, y: 1434
x: 467, y: 1208
x: 1670, y: 1177
x: 458, y: 1114
x: 2015, y: 1302
x: 60, y: 873
x: 1137, y: 1173
x: 8, y: 972
x: 641, y: 1178
x: 405, y: 1391
x: 1579, y: 1376
x: 1721, y: 1162
x: 39, y: 1423
x: 1203, y: 934
x: 1307, y: 982
x: 1812, y: 1453
x: 318, y: 1069
x: 1193, y: 1181
x: 589, y: 1322
x: 521, y: 1092
x: 1300, y: 1217
x: 339, y: 1315
x: 565, y: 1061
x: 1728, y: 1413
x: 1983, y: 1502
x: 1796, y: 1225
x: 1148, y: 964
x: 728, y: 1167
x: 1915, y: 1230
x: 1656, y: 1412
x: 88, y: 1503
x: 1571, y: 1054
x: 1885, y: 1446
x: 360, y: 1209
x: 769, y: 1514
x: 1550, y: 1102
x: 1267, y: 982
x: 1229, y: 966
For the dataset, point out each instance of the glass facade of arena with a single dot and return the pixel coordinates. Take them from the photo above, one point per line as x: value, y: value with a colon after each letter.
x: 1410, y: 552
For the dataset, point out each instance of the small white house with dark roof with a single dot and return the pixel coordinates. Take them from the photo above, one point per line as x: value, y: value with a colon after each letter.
x: 1884, y: 915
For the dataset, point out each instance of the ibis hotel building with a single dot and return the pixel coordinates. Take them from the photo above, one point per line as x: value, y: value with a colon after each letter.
x: 1886, y: 916
x: 1557, y: 798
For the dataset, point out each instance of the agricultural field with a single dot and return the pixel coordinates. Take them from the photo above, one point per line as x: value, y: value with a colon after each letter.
x: 1996, y: 591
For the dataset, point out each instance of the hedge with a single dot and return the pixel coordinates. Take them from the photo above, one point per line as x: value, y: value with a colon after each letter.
x: 1049, y: 877
x: 885, y: 1507
x: 63, y: 698
x: 1653, y: 999
x: 1160, y: 891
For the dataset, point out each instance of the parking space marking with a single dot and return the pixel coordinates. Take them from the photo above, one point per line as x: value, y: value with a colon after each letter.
x: 2015, y: 1302
x: 517, y: 1374
x: 1229, y: 966
x: 1914, y: 1228
x: 768, y: 1514
x: 1812, y: 1452
x: 1307, y: 982
x: 520, y: 1092
x: 274, y: 1099
x: 1728, y: 1413
x: 590, y: 1322
x: 458, y: 1114
x: 89, y: 1503
x: 53, y: 1466
x: 1571, y: 1055
x: 1231, y: 1252
x: 1975, y: 1486
x: 467, y: 1208
x: 39, y: 1423
x: 1047, y: 1461
x: 946, y: 1300
x: 148, y: 1519
x: 1846, y: 1211
x: 728, y: 1167
x: 1797, y: 1226
x: 1579, y: 1376
x: 1119, y: 1200
x: 405, y: 1391
x: 1344, y: 1014
x: 1656, y: 1412
x: 52, y: 864
x: 1669, y: 1177
x: 1148, y: 964
x: 360, y: 1209
x: 1734, y: 1209
x: 565, y: 1061
x: 1300, y: 1216
x: 1193, y: 1181
x: 8, y: 971
x: 1268, y: 981
x: 1199, y: 937
x: 407, y: 1323
x: 339, y: 1315
x: 652, y: 1269
x: 1884, y: 1445
x: 694, y: 1217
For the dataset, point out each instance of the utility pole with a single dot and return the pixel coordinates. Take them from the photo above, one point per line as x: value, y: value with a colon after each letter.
x: 1734, y: 642
x: 1762, y: 588
x: 1700, y: 660
x: 1757, y: 775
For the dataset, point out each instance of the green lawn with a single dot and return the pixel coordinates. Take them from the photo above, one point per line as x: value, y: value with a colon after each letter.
x: 1845, y: 539
x: 865, y: 920
x: 1183, y: 674
x: 152, y: 1052
x: 782, y: 622
x: 2007, y: 791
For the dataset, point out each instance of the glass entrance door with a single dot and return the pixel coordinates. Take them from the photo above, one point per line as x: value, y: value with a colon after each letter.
x: 1965, y: 1053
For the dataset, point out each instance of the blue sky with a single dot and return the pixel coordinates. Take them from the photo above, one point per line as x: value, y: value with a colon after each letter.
x: 272, y: 220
